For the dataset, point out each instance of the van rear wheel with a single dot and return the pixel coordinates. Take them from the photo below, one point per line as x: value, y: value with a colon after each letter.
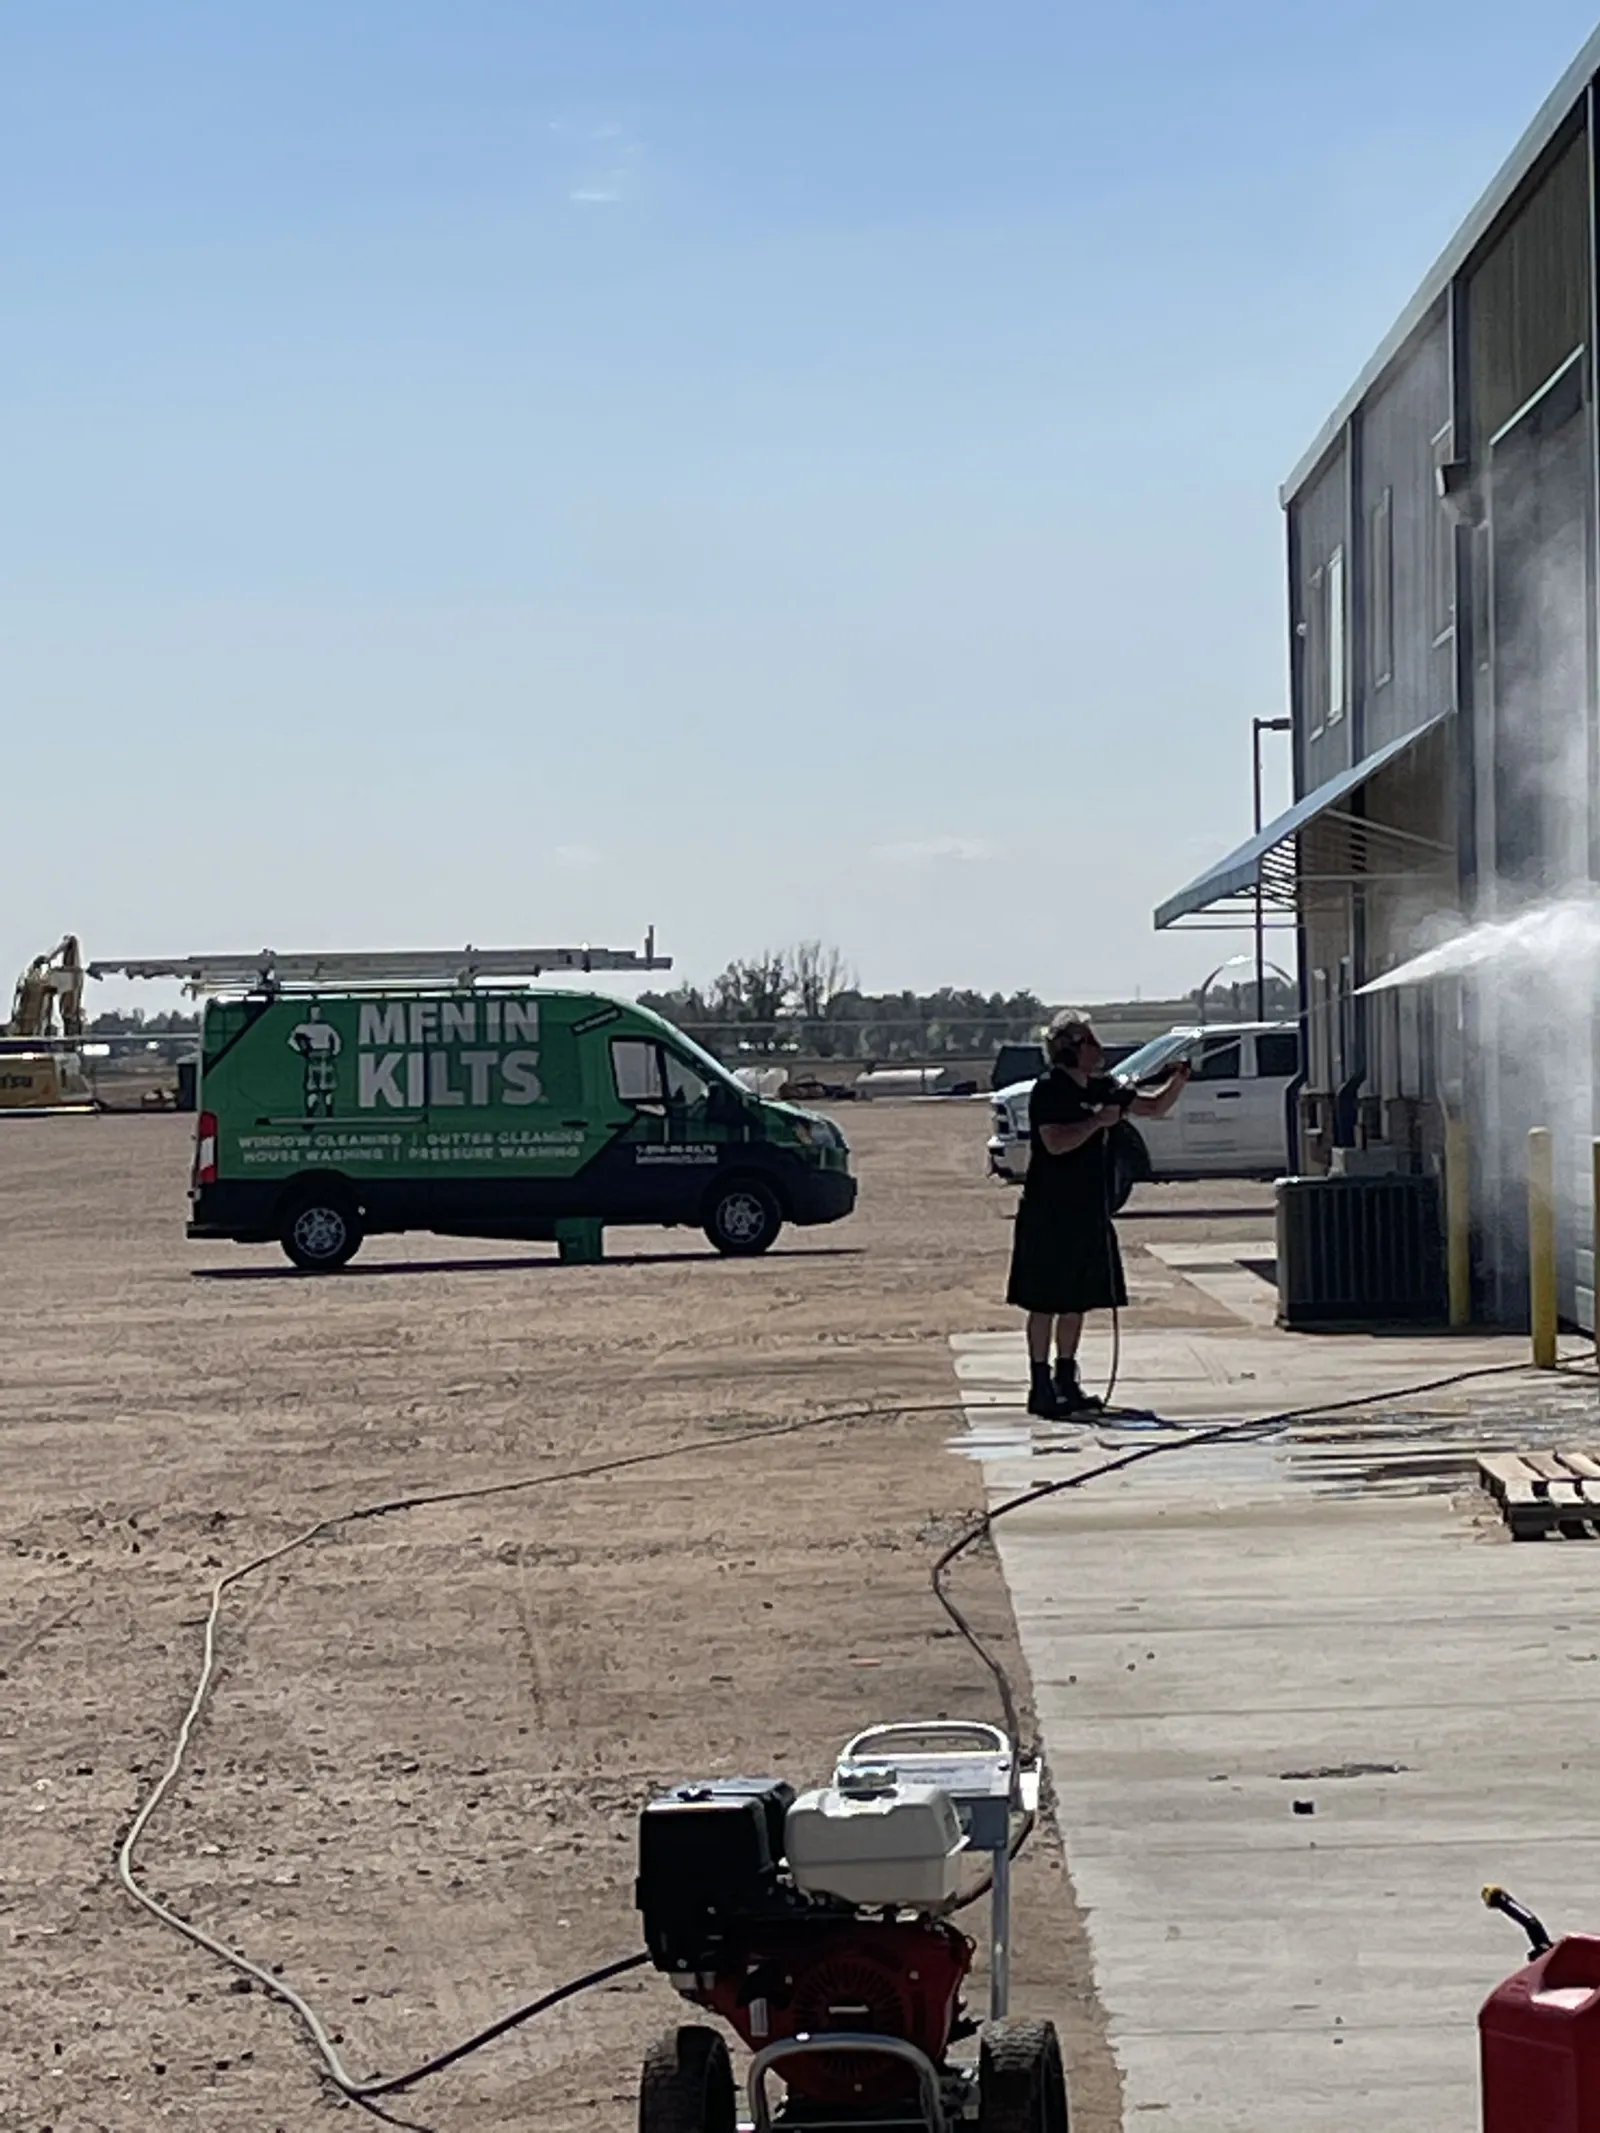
x: 743, y: 1218
x: 321, y: 1230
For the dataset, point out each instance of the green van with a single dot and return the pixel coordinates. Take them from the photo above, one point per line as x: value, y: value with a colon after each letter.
x: 327, y: 1117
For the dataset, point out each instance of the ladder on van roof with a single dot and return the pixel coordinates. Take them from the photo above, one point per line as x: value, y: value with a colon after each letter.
x: 379, y: 970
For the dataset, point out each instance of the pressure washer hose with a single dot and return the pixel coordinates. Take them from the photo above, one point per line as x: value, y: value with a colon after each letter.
x: 367, y: 2093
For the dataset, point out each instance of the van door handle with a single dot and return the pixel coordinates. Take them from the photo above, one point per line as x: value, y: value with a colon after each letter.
x: 1229, y: 1096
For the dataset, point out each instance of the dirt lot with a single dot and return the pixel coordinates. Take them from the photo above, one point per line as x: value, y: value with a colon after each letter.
x: 416, y: 1787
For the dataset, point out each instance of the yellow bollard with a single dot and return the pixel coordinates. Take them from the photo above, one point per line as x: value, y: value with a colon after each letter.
x: 1542, y: 1247
x: 1458, y: 1219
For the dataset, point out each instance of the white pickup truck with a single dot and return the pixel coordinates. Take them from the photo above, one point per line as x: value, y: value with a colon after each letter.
x: 1231, y: 1121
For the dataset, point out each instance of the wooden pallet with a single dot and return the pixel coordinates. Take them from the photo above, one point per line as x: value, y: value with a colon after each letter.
x: 1544, y: 1493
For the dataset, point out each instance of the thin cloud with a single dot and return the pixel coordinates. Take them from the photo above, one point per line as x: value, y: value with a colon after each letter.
x: 578, y: 855
x: 605, y: 162
x: 931, y: 851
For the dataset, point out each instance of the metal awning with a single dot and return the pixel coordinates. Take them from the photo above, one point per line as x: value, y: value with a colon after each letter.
x: 1315, y: 845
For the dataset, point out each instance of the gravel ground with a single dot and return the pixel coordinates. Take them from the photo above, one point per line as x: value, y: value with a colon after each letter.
x: 416, y: 1785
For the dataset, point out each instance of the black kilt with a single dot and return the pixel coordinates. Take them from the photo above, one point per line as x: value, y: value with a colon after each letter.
x: 1065, y: 1258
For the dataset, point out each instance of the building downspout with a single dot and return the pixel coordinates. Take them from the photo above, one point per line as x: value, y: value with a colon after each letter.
x: 1592, y: 666
x: 1347, y: 1101
x: 1297, y: 772
x: 1455, y: 1091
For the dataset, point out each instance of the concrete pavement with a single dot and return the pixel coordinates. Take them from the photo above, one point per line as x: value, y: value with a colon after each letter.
x: 1300, y: 1700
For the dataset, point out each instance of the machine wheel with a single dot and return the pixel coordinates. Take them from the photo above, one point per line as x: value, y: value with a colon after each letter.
x: 743, y: 1218
x: 1021, y: 2086
x: 321, y: 1229
x: 687, y: 2085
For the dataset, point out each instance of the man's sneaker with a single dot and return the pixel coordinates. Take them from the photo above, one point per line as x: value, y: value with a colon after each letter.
x: 1070, y: 1397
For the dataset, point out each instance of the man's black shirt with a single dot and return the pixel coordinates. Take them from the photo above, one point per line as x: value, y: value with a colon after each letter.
x: 1076, y: 1181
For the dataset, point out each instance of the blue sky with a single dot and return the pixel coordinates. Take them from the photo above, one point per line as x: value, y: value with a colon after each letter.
x: 518, y: 472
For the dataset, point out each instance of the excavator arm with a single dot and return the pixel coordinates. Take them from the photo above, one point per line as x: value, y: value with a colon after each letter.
x: 50, y: 991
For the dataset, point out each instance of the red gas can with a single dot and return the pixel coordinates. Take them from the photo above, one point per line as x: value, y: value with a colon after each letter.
x: 1540, y: 2041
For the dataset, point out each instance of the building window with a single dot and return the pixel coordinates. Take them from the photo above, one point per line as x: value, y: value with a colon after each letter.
x: 1380, y: 589
x: 1441, y: 547
x: 1334, y: 591
x: 1315, y: 626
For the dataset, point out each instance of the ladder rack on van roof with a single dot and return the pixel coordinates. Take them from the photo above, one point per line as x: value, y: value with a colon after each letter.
x: 449, y: 969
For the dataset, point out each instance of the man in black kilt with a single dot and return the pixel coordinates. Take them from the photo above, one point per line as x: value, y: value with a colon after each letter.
x: 1064, y: 1257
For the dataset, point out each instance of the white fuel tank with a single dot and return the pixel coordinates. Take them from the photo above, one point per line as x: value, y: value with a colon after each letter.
x: 877, y: 1843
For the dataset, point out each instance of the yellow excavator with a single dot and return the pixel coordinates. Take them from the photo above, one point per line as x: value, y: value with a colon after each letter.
x: 41, y: 1067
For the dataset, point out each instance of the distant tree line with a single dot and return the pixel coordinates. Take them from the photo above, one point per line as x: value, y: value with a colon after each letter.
x: 806, y: 1000
x: 173, y: 1034
x: 136, y: 1023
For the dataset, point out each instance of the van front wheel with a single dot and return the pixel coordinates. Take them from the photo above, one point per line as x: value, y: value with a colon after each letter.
x: 743, y: 1218
x: 321, y: 1231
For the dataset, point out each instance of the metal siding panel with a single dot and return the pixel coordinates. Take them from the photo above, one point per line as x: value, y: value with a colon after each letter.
x: 1540, y: 503
x: 1327, y: 942
x: 1398, y: 427
x: 1321, y: 522
x: 1415, y: 793
x: 1528, y: 297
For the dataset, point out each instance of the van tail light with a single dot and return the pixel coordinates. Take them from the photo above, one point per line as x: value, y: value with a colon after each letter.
x: 205, y: 1149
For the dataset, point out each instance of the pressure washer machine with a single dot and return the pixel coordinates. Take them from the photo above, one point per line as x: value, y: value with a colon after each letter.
x: 820, y: 1927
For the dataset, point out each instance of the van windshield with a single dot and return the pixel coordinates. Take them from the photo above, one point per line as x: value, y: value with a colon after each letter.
x: 1149, y: 1059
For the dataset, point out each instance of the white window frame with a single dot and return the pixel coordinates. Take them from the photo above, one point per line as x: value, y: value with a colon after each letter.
x: 1336, y: 638
x: 1314, y: 667
x: 1442, y: 589
x: 1380, y: 589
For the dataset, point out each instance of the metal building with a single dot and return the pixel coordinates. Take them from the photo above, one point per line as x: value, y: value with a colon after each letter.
x: 1442, y: 539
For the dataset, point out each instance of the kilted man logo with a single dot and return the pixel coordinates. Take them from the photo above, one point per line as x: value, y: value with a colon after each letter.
x: 319, y: 1045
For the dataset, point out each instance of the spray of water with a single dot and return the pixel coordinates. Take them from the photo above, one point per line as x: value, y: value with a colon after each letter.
x: 1555, y: 943
x: 1515, y: 998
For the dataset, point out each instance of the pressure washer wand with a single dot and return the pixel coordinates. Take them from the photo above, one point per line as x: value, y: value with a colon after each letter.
x: 1498, y: 1899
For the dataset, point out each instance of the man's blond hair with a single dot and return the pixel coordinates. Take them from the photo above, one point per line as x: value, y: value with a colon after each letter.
x: 1067, y: 1032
